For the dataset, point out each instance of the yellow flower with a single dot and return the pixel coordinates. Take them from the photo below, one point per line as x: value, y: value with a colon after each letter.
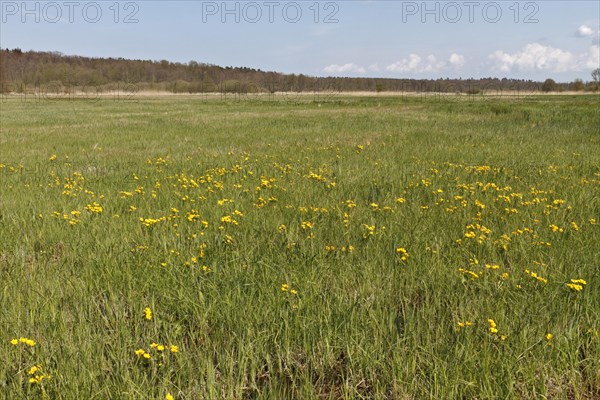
x: 169, y: 396
x: 472, y: 274
x: 140, y: 352
x: 576, y: 284
x: 492, y: 325
x: 285, y: 287
x: 37, y: 379
x: 33, y: 370
x: 575, y: 287
x: 228, y: 220
x: 555, y: 228
x: 536, y: 276
x: 174, y: 349
x: 307, y: 225
x: 548, y: 336
x: 370, y: 230
x: 94, y: 208
x: 192, y: 216
x: 148, y: 313
x: 401, y: 251
x: 579, y: 281
x: 14, y: 342
x: 24, y: 340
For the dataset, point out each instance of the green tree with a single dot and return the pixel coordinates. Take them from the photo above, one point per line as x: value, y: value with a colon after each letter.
x: 549, y: 85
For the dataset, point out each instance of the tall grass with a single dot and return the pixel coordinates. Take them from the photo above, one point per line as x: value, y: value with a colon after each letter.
x: 353, y: 248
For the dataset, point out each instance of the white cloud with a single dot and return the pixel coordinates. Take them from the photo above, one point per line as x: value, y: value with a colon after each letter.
x: 457, y: 60
x: 593, y: 60
x: 374, y: 68
x: 350, y: 67
x: 416, y: 64
x: 406, y: 65
x: 433, y: 65
x: 584, y: 31
x: 535, y: 56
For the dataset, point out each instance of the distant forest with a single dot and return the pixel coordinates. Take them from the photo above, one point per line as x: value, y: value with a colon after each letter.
x: 36, y: 71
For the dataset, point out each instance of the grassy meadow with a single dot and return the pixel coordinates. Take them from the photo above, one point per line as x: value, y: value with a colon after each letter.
x: 347, y: 248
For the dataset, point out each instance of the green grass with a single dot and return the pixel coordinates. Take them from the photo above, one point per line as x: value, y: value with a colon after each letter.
x: 363, y: 323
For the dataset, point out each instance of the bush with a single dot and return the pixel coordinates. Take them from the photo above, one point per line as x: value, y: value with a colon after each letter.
x: 549, y: 85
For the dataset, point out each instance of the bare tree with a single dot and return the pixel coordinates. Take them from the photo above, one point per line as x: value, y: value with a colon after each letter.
x: 596, y: 76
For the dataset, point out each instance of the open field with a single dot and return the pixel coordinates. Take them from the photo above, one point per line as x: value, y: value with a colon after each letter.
x: 355, y: 248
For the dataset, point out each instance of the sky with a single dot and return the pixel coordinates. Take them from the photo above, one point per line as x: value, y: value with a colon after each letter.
x: 356, y: 38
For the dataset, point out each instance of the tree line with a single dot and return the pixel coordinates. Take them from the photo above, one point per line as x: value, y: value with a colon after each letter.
x: 33, y: 70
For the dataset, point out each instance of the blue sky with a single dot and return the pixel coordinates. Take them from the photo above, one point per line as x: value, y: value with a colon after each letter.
x: 363, y: 38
